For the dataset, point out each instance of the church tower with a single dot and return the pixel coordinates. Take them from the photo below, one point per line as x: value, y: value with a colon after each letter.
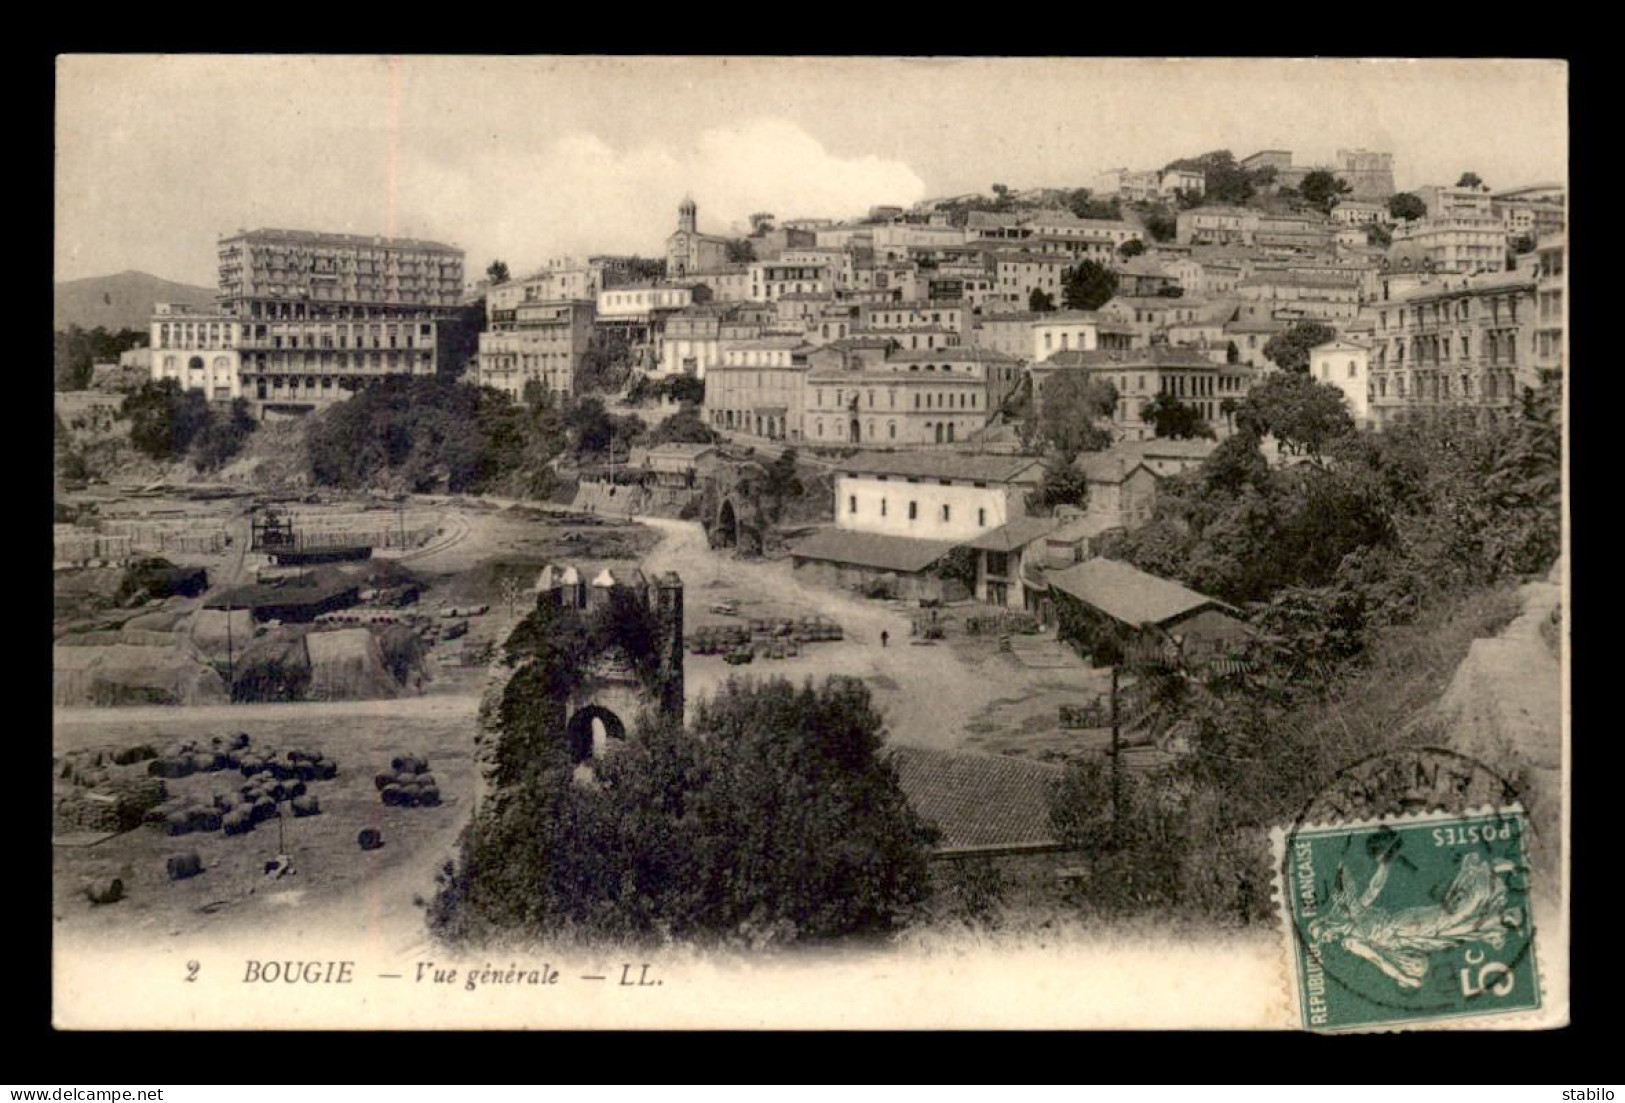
x: 688, y: 215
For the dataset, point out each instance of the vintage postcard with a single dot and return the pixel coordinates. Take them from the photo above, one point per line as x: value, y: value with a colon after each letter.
x: 785, y: 542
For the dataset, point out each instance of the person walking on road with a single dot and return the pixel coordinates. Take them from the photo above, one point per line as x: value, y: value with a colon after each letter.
x: 884, y: 636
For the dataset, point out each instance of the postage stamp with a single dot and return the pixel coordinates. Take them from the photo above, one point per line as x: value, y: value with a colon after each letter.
x: 1411, y: 919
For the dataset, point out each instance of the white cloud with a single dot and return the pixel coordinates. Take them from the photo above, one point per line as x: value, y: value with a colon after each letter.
x: 580, y: 195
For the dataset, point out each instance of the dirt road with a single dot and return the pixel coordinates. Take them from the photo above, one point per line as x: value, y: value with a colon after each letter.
x: 926, y: 692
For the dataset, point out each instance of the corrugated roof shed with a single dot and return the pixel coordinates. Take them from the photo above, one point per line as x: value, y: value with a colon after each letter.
x: 979, y: 802
x: 902, y: 554
x: 1127, y: 594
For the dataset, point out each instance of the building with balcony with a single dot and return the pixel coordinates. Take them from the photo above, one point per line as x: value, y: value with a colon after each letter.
x: 758, y: 389
x: 542, y: 343
x: 1456, y: 243
x: 1139, y: 375
x: 319, y: 315
x: 1454, y: 343
x: 198, y: 349
x: 901, y: 398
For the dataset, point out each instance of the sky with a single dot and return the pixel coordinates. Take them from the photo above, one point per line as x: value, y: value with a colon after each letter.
x: 527, y: 158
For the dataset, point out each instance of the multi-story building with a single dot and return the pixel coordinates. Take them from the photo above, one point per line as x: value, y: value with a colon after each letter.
x: 1109, y: 233
x: 1454, y: 343
x: 1322, y: 296
x: 1359, y: 212
x: 1459, y: 243
x: 896, y: 398
x: 894, y: 240
x: 1345, y: 365
x: 319, y: 315
x: 1139, y: 375
x: 1540, y: 207
x: 1550, y: 316
x: 1150, y: 316
x: 1441, y: 200
x: 727, y: 284
x: 1021, y: 333
x: 693, y: 339
x: 1292, y: 233
x: 543, y: 343
x: 758, y: 389
x: 770, y: 279
x: 197, y: 348
x: 932, y: 496
x: 1018, y: 273
x: 889, y: 317
x: 1216, y: 226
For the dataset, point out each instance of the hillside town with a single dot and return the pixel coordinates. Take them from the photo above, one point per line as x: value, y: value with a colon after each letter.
x: 1060, y: 525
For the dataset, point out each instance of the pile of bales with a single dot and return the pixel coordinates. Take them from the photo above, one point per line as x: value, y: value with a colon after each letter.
x: 104, y: 790
x: 273, y: 776
x: 409, y: 784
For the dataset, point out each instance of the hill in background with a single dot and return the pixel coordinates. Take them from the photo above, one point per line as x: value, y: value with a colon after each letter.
x: 124, y: 301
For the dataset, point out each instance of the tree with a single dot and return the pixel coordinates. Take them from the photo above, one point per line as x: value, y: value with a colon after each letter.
x: 1289, y: 351
x: 76, y: 351
x: 1224, y: 180
x: 164, y: 418
x: 1174, y: 419
x: 1087, y: 286
x: 1133, y: 247
x: 1470, y: 180
x: 1063, y: 485
x: 497, y: 272
x: 1379, y: 235
x: 686, y: 426
x: 1232, y: 353
x: 1321, y: 190
x: 777, y: 817
x: 781, y: 484
x: 761, y: 223
x: 1082, y: 204
x: 1522, y: 244
x: 1302, y: 414
x: 221, y: 438
x: 740, y: 251
x: 1161, y: 225
x: 1040, y: 301
x: 1407, y: 207
x: 1070, y: 409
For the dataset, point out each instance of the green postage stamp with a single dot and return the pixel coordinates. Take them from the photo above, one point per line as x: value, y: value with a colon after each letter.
x: 1409, y: 920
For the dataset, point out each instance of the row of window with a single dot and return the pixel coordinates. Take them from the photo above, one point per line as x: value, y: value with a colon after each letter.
x: 914, y: 511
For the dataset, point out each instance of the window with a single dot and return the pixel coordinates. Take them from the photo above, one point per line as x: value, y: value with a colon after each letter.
x: 1351, y: 369
x: 883, y: 507
x: 981, y: 518
x: 913, y: 510
x: 852, y: 503
x: 947, y: 514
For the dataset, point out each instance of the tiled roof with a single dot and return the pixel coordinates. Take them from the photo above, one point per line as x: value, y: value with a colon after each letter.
x: 902, y: 554
x: 979, y: 802
x: 1155, y: 356
x: 1013, y: 536
x: 1127, y: 594
x: 960, y: 353
x: 1111, y: 466
x: 942, y: 465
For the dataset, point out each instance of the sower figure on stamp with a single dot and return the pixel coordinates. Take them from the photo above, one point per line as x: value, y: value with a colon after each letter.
x: 1398, y: 942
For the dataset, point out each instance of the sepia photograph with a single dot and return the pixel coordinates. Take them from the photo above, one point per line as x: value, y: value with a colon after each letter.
x: 655, y: 542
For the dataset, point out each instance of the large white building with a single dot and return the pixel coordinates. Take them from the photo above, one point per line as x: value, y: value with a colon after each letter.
x: 198, y: 349
x: 932, y: 495
x: 1345, y: 365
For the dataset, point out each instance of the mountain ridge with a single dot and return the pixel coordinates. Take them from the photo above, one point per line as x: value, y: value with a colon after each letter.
x: 121, y: 301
